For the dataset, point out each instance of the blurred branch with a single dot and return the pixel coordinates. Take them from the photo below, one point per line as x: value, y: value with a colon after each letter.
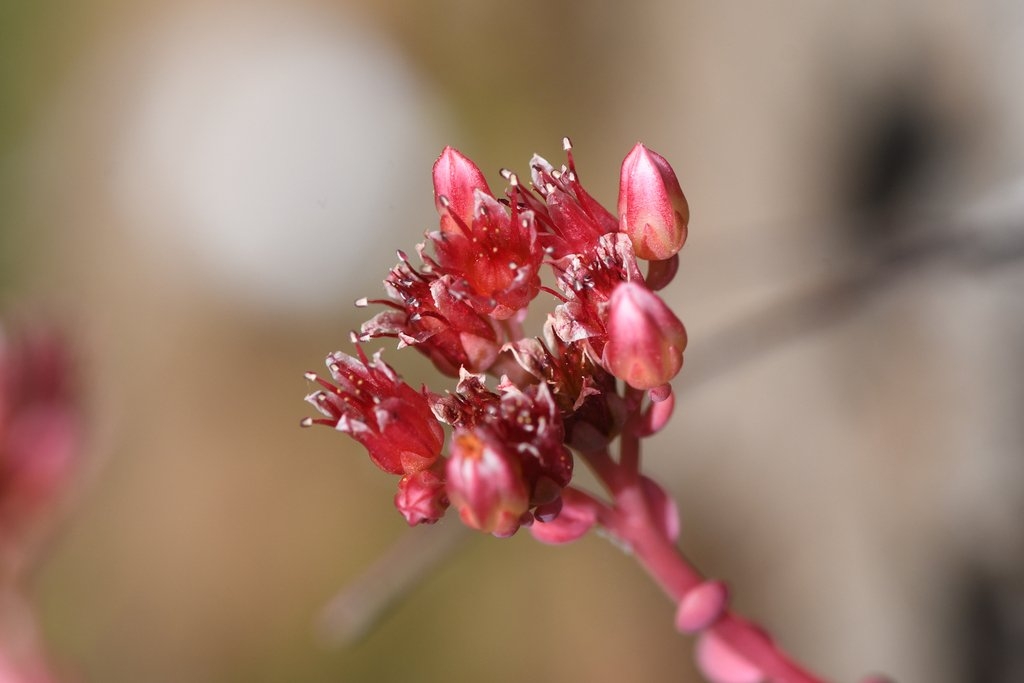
x: 823, y: 304
x: 360, y: 605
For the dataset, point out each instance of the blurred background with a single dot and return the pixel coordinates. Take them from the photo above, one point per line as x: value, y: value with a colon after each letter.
x: 197, y: 191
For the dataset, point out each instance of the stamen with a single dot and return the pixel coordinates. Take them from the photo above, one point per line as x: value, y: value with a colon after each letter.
x: 553, y: 293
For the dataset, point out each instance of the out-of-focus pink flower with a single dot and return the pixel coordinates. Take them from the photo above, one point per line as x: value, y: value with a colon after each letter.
x: 421, y: 497
x: 652, y: 208
x: 375, y: 407
x: 485, y: 483
x: 39, y: 430
x: 645, y: 338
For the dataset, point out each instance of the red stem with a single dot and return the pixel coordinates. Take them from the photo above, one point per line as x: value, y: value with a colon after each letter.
x: 676, y: 576
x: 631, y: 521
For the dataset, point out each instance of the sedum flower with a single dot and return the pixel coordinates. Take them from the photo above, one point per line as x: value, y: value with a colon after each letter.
x: 371, y: 403
x: 493, y: 255
x: 574, y: 220
x: 424, y: 310
x: 652, y: 208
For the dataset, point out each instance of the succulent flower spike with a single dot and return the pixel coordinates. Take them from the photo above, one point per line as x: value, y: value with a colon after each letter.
x: 375, y: 407
x: 645, y: 338
x: 652, y: 208
x: 508, y: 462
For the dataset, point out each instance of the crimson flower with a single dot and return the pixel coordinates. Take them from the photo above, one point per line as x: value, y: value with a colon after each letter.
x: 425, y: 310
x: 493, y: 254
x: 376, y: 408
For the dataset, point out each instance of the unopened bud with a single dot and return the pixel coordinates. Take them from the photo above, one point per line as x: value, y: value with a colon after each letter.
x: 421, y: 497
x: 485, y: 484
x: 701, y: 606
x: 645, y: 338
x: 577, y: 516
x: 652, y: 208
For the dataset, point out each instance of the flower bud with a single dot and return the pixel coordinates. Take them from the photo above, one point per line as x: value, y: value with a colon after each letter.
x: 456, y: 178
x: 645, y: 339
x: 701, y: 606
x: 664, y: 511
x: 421, y: 497
x: 577, y: 516
x: 485, y: 483
x: 652, y: 208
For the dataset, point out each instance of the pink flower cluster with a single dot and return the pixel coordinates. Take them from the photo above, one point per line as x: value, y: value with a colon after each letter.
x: 39, y: 449
x: 524, y: 408
x: 608, y: 339
x: 38, y: 432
